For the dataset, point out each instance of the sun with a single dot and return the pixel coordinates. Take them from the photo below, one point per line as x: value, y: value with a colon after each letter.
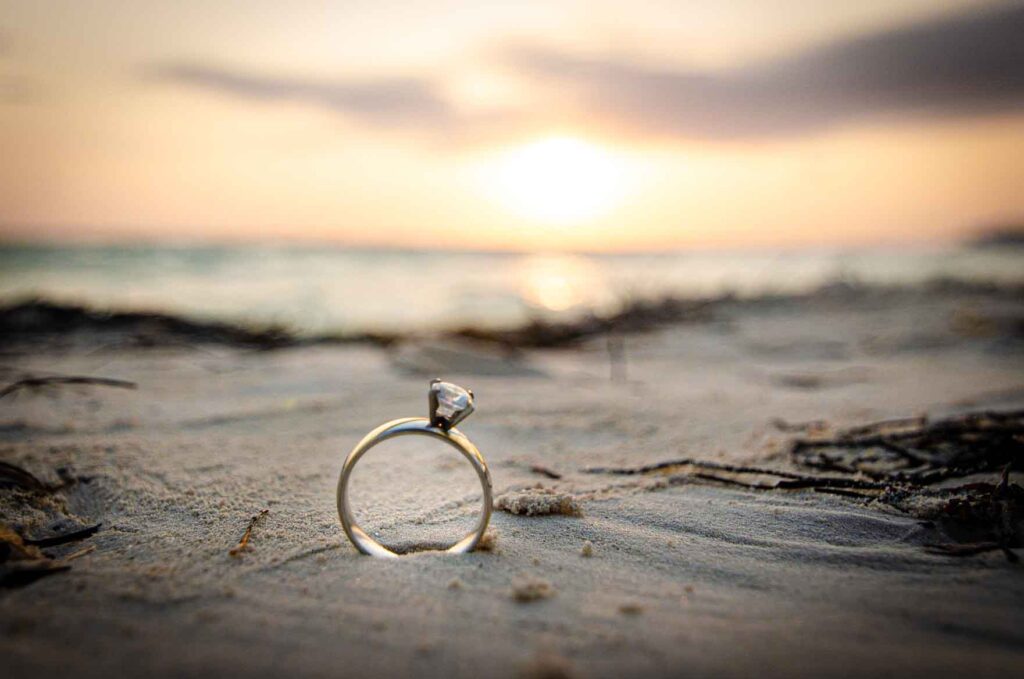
x: 558, y: 180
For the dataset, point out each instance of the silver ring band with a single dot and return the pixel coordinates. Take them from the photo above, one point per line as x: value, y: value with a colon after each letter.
x: 404, y: 427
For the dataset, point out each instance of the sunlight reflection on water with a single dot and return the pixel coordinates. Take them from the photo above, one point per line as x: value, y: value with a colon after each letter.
x: 561, y: 282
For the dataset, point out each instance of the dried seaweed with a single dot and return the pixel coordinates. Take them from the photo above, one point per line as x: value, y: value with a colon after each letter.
x: 898, y: 463
x: 791, y: 427
x: 13, y: 476
x: 21, y: 564
x: 54, y: 380
x: 918, y: 451
x: 786, y: 479
x: 635, y: 316
x: 21, y: 559
x: 243, y: 544
x: 970, y: 549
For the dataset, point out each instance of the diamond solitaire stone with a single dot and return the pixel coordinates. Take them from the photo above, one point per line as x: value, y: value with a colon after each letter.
x: 450, y: 403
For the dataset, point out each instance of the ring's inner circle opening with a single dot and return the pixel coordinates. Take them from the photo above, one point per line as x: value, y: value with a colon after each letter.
x: 414, y: 494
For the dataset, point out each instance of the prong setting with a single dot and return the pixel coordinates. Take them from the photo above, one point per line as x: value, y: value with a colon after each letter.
x: 449, y: 403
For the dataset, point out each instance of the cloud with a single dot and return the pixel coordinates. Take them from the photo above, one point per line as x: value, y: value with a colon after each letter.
x: 965, y: 64
x: 959, y: 65
x: 396, y: 101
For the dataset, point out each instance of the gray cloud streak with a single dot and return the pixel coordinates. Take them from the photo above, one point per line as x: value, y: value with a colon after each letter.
x: 960, y: 65
x: 398, y: 101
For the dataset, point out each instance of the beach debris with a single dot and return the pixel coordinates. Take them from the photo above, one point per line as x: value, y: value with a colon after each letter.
x: 34, y: 383
x: 13, y: 476
x: 808, y: 381
x: 634, y: 316
x: 919, y: 451
x: 792, y: 427
x: 545, y: 471
x: 82, y: 552
x: 631, y: 608
x: 733, y: 474
x: 64, y: 538
x: 529, y: 589
x: 21, y: 563
x: 845, y: 492
x: 983, y: 517
x: 539, y: 502
x: 971, y: 323
x: 455, y: 583
x: 970, y: 549
x: 25, y: 495
x: 588, y: 549
x: 899, y: 463
x: 35, y: 321
x: 872, y: 457
x: 243, y: 544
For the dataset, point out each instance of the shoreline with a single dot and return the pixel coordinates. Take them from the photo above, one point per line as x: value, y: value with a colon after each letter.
x: 31, y: 320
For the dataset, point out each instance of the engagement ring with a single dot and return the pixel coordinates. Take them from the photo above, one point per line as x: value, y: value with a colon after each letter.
x: 449, y: 405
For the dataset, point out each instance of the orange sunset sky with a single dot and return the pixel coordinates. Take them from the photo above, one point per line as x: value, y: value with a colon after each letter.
x: 550, y: 125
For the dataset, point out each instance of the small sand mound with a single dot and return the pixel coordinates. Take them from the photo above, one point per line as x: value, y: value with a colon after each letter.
x: 548, y: 666
x: 532, y: 589
x: 488, y: 541
x: 539, y: 502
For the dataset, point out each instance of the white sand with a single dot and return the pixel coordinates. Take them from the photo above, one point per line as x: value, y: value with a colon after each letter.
x: 687, y: 579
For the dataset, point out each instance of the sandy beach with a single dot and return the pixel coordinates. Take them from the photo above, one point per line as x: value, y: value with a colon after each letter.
x: 738, y: 287
x: 666, y: 555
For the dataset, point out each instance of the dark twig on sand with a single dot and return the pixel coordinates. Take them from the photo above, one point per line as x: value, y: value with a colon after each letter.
x: 732, y: 481
x: 545, y: 471
x: 788, y: 479
x: 792, y: 427
x: 243, y: 544
x: 819, y: 482
x: 971, y: 549
x: 65, y: 538
x: 690, y: 462
x: 38, y: 382
x: 80, y: 553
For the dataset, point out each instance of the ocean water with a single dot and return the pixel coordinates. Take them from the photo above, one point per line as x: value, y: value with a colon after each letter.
x: 336, y: 290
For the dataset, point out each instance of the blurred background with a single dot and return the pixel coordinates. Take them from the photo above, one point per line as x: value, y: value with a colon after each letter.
x: 350, y: 165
